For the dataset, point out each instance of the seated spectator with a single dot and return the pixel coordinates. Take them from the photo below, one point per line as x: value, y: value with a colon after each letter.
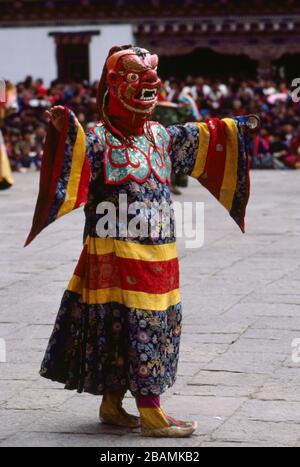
x: 262, y: 158
x: 28, y: 160
x: 293, y: 157
x: 278, y: 149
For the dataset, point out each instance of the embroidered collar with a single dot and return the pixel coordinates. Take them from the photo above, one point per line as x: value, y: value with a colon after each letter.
x: 135, y: 162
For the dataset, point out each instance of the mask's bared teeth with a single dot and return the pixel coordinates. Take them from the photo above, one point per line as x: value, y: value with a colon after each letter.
x: 147, y: 94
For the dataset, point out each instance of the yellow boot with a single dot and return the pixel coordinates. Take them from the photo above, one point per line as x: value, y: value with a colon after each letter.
x: 112, y: 412
x: 155, y: 423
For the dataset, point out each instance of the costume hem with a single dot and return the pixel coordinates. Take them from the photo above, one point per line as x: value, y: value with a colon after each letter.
x: 81, y: 389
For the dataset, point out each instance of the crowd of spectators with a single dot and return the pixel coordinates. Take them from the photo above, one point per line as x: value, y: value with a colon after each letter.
x: 278, y: 143
x: 276, y: 146
x: 25, y: 124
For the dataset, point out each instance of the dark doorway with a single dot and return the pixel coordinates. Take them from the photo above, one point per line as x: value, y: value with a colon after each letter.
x: 73, y: 62
x: 72, y: 55
x: 288, y: 66
x: 207, y: 63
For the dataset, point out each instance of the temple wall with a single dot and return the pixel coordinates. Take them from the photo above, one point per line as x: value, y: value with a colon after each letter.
x: 30, y: 50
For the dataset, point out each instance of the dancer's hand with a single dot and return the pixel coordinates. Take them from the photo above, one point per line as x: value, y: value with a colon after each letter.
x: 57, y: 116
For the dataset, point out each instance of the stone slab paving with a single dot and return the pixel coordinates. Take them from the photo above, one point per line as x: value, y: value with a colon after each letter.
x: 241, y: 297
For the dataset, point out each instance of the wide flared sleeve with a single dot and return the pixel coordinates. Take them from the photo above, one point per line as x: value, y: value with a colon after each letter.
x: 216, y: 153
x: 65, y: 174
x: 6, y: 179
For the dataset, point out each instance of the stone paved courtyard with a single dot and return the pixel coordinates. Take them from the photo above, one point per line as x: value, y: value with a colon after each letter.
x: 241, y: 298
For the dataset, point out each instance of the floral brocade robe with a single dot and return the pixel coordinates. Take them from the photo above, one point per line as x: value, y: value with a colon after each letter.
x: 119, y: 324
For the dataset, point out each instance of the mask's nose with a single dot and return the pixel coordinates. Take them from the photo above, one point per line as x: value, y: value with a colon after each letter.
x: 151, y: 77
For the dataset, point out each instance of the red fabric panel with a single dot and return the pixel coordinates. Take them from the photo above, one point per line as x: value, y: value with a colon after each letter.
x: 216, y: 158
x: 149, y: 276
x: 102, y: 272
x: 83, y: 185
x: 105, y: 271
x: 50, y: 171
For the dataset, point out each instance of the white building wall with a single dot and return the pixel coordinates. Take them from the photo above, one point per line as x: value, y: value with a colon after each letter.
x: 100, y: 45
x: 31, y: 51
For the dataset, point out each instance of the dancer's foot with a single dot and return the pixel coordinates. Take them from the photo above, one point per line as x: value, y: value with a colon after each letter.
x: 175, y: 422
x: 112, y: 412
x: 156, y: 423
x: 176, y: 429
x: 121, y: 418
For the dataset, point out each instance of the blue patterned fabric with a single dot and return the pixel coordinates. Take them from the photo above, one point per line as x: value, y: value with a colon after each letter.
x: 110, y: 347
x: 183, y: 147
x: 149, y: 192
x: 237, y: 211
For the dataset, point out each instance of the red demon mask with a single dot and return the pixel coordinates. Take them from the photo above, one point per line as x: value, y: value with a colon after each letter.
x: 128, y: 91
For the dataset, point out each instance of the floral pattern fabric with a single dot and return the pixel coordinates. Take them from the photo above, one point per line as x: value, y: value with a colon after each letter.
x: 97, y: 348
x: 183, y: 147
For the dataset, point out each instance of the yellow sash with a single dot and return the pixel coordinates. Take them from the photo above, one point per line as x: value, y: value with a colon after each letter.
x: 6, y: 179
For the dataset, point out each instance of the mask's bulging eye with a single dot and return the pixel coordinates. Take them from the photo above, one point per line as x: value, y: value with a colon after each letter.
x: 131, y: 77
